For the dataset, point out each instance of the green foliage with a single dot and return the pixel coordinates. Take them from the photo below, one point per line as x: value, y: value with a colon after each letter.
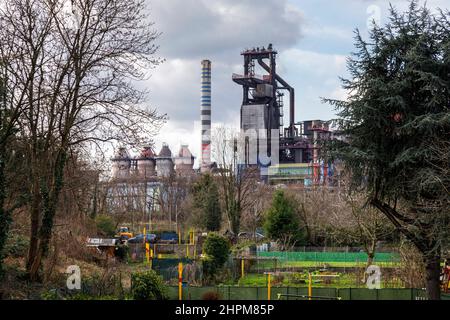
x: 122, y: 252
x: 206, y: 202
x: 83, y: 296
x: 16, y: 245
x: 105, y: 224
x: 281, y: 222
x: 217, y: 249
x: 148, y: 285
x: 397, y: 118
x: 396, y: 124
x: 51, y: 294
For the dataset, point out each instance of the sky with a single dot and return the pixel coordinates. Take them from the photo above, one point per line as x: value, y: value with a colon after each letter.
x: 312, y: 37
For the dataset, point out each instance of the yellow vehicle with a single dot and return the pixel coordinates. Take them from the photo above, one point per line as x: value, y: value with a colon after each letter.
x: 124, y: 233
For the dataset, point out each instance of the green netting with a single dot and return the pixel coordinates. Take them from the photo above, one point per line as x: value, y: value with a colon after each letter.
x: 395, y: 294
x: 324, y: 292
x: 363, y: 294
x: 196, y: 293
x: 168, y: 268
x: 244, y: 293
x: 445, y: 296
x: 172, y: 293
x: 293, y: 293
x: 329, y: 256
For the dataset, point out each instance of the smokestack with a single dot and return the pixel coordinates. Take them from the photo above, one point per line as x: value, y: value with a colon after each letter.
x: 205, y: 116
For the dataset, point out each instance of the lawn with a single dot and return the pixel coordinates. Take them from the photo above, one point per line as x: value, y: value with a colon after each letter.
x: 269, y: 264
x: 344, y: 280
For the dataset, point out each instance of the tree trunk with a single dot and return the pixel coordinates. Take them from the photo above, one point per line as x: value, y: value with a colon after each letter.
x: 34, y: 230
x: 49, y: 203
x: 433, y: 269
x: 5, y: 215
x: 371, y: 252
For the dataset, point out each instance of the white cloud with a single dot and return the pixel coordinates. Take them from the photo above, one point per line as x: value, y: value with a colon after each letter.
x: 218, y: 30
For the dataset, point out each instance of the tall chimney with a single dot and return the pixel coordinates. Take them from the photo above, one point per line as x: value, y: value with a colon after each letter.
x: 205, y: 116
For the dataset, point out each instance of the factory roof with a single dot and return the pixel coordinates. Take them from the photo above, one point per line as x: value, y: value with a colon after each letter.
x: 165, y: 151
x: 147, y: 153
x: 184, y: 152
x: 121, y: 154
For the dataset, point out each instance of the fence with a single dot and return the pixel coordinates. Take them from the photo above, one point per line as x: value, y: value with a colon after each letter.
x: 137, y: 250
x: 384, y: 249
x: 328, y: 256
x: 168, y: 269
x: 292, y: 293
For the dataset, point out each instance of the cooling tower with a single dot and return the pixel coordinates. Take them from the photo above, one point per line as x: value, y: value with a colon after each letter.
x: 184, y: 162
x: 164, y: 163
x: 146, y: 163
x: 121, y: 164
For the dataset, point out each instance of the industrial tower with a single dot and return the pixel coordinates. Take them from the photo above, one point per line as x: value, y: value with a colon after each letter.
x: 205, y: 116
x: 263, y: 108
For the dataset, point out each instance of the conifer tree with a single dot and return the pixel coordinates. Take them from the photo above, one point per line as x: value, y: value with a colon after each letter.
x: 394, y: 124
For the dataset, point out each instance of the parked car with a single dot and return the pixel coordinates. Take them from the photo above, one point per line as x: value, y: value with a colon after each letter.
x: 150, y: 238
x: 168, y: 237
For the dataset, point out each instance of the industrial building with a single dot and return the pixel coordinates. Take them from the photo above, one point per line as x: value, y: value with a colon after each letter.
x: 293, y: 149
x: 205, y: 116
x: 150, y: 166
x: 143, y: 183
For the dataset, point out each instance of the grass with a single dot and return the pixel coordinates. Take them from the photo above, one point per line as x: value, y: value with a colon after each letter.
x: 345, y: 280
x: 315, y: 264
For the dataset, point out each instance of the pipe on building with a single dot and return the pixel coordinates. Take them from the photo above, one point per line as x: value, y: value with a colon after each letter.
x: 291, y: 96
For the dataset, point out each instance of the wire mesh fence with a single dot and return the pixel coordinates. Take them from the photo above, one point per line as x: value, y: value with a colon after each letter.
x: 299, y: 293
x: 318, y: 256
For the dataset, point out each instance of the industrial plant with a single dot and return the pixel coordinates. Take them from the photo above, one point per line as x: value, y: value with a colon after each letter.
x: 140, y: 183
x: 151, y: 166
x: 263, y: 108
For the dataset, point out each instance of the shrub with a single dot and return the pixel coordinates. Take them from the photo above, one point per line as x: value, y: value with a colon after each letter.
x: 16, y: 245
x: 206, y: 203
x: 281, y: 224
x: 211, y: 295
x: 148, y: 285
x: 122, y: 252
x: 217, y: 249
x: 105, y: 225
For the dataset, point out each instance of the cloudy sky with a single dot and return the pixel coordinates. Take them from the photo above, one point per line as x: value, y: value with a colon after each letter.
x: 313, y: 39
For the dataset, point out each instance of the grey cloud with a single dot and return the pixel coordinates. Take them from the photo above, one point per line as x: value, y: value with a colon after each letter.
x: 199, y: 28
x: 218, y: 30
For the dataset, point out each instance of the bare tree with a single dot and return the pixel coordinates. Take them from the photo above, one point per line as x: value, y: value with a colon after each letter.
x: 173, y: 190
x: 364, y: 224
x: 81, y: 57
x: 253, y: 215
x: 237, y: 181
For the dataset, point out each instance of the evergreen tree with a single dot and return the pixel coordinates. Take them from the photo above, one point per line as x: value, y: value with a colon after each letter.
x: 281, y: 223
x: 206, y: 202
x: 394, y: 125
